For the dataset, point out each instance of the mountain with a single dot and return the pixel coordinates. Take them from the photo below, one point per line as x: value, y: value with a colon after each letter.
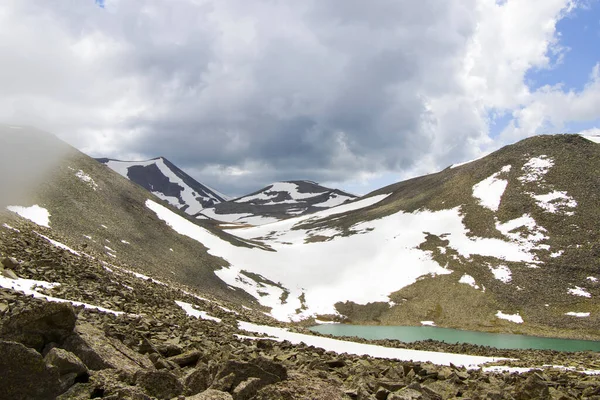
x: 167, y: 182
x: 278, y: 201
x: 506, y: 243
x: 107, y: 292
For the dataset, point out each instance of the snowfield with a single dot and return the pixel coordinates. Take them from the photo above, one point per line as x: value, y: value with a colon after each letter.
x: 343, y: 268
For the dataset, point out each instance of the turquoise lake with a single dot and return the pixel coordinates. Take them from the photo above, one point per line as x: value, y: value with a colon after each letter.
x: 416, y: 333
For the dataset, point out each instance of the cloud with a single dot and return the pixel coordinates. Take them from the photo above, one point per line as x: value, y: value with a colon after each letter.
x: 244, y: 93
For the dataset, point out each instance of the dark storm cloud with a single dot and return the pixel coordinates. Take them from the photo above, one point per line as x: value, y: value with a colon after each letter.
x: 243, y: 93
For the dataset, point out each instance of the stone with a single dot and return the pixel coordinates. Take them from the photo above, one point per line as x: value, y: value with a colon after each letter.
x: 42, y: 324
x: 197, y: 381
x: 267, y: 371
x: 335, y: 363
x: 187, y: 358
x: 97, y: 351
x: 66, y: 362
x: 211, y: 394
x: 534, y: 387
x: 382, y: 394
x: 159, y: 384
x: 169, y: 349
x: 247, y: 389
x: 79, y: 391
x: 9, y: 273
x: 405, y: 394
x: 9, y: 263
x: 25, y: 375
x: 129, y: 393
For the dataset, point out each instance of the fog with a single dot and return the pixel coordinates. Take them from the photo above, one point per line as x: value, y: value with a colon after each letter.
x: 26, y: 157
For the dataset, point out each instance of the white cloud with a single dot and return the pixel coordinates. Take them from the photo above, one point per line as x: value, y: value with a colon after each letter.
x: 330, y: 91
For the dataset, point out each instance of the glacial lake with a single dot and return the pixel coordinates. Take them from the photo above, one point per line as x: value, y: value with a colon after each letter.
x: 416, y: 333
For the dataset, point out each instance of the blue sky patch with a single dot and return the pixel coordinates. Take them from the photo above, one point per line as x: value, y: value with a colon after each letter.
x: 580, y: 34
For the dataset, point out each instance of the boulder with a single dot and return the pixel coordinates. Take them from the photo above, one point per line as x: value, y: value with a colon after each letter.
x: 25, y: 375
x: 159, y: 384
x: 40, y: 325
x: 198, y: 380
x: 97, y: 351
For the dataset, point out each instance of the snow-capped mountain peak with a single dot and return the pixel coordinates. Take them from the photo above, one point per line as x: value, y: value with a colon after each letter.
x: 168, y: 182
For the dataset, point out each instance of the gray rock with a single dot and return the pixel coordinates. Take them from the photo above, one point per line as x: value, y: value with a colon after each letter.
x: 159, y: 384
x: 534, y: 387
x: 405, y: 394
x: 25, y: 375
x: 66, y: 362
x: 197, y: 381
x: 9, y: 263
x: 100, y: 352
x: 211, y: 394
x: 79, y: 391
x: 9, y: 273
x: 247, y: 389
x: 267, y: 371
x: 187, y: 358
x: 42, y: 324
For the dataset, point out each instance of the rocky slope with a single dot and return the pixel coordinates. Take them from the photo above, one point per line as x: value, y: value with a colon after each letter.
x: 278, y: 201
x: 73, y: 326
x: 166, y: 181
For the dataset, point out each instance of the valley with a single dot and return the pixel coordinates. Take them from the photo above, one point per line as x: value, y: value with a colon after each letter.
x: 504, y: 244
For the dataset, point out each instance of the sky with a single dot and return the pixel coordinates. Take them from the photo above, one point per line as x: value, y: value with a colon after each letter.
x: 348, y: 93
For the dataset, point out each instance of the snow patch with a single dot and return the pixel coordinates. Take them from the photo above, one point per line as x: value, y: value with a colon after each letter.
x: 427, y: 323
x: 193, y: 312
x: 516, y: 318
x: 58, y: 244
x: 578, y: 314
x: 501, y: 272
x: 529, y: 237
x: 555, y: 202
x: 86, y: 179
x: 469, y: 280
x: 7, y: 226
x: 592, y: 279
x: 579, y: 291
x: 535, y: 169
x: 36, y: 214
x: 490, y: 190
x: 28, y: 288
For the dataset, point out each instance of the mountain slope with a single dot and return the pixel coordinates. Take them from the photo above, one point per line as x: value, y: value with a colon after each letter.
x: 278, y: 201
x: 103, y: 214
x: 505, y: 243
x: 167, y: 182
